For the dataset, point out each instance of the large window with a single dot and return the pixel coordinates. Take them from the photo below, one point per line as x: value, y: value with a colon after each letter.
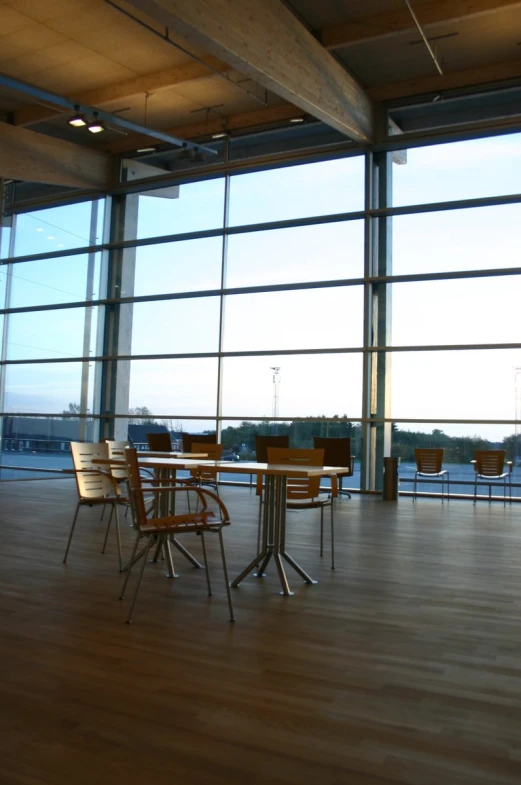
x: 271, y: 296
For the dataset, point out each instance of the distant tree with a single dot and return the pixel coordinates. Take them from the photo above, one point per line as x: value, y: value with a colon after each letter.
x: 74, y: 408
x: 141, y: 415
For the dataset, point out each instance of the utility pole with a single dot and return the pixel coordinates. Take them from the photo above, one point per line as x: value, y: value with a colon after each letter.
x: 276, y: 390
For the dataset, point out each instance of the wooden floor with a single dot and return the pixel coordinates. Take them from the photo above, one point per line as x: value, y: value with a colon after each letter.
x: 402, y: 666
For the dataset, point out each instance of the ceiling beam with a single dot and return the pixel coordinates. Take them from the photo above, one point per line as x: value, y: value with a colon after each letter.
x: 449, y: 81
x: 256, y: 119
x: 266, y: 42
x: 32, y: 157
x: 149, y: 83
x: 391, y: 23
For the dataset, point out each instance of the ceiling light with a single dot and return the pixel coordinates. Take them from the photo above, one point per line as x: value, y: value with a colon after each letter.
x: 96, y: 127
x: 39, y: 229
x: 146, y: 150
x: 296, y: 119
x: 219, y: 135
x: 50, y: 237
x: 77, y: 120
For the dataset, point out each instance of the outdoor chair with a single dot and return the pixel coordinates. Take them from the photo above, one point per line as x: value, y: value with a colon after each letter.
x: 489, y: 465
x: 429, y: 461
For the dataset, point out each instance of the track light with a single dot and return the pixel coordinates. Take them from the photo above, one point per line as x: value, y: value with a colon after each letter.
x: 77, y: 120
x: 96, y: 127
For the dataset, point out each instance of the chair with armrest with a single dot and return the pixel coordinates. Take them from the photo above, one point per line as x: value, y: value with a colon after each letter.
x: 337, y: 452
x: 303, y: 492
x: 489, y: 465
x: 159, y: 442
x: 429, y: 461
x: 95, y: 487
x: 206, y: 475
x: 200, y: 438
x: 211, y: 516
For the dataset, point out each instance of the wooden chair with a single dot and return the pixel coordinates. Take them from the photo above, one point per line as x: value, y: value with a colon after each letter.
x: 337, y: 452
x: 211, y: 516
x: 200, y: 438
x: 95, y: 487
x: 429, y: 461
x: 261, y: 451
x: 206, y: 476
x: 303, y: 493
x: 489, y: 465
x: 159, y: 442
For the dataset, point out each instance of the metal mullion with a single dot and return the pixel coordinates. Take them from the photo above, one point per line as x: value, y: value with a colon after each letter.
x: 454, y: 347
x: 222, y: 303
x: 457, y: 204
x: 447, y: 276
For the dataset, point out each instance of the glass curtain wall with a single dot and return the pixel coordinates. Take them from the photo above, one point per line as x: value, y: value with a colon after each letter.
x: 349, y: 297
x: 453, y: 284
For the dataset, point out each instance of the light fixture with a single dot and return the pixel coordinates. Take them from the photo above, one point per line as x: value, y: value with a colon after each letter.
x: 220, y: 135
x: 296, y: 119
x: 146, y: 150
x: 77, y: 120
x: 96, y: 127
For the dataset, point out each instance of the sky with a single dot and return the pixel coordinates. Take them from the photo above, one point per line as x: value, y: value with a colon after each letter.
x: 463, y: 384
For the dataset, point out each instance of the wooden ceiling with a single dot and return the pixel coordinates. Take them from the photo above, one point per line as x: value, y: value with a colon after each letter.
x: 236, y: 64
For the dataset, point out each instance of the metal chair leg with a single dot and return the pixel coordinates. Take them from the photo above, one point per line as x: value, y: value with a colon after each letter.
x: 130, y: 565
x: 118, y: 538
x: 71, y: 532
x: 138, y: 584
x: 206, y: 565
x: 108, y: 529
x: 321, y: 531
x: 226, y: 578
x: 332, y: 537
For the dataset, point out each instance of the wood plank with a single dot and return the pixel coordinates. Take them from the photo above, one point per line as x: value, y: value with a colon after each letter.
x: 456, y: 79
x: 391, y: 23
x: 266, y: 42
x: 29, y: 156
x: 401, y: 667
x: 257, y: 118
x: 160, y: 80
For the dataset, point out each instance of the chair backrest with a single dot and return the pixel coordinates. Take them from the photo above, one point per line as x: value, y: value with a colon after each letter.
x: 91, y: 482
x: 263, y: 442
x: 489, y: 463
x: 337, y: 450
x: 429, y: 460
x: 299, y: 487
x: 117, y: 451
x: 214, y: 453
x: 159, y: 442
x: 199, y: 438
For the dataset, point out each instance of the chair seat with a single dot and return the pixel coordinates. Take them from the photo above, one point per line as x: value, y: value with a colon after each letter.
x: 307, y: 504
x: 179, y: 523
x: 432, y: 474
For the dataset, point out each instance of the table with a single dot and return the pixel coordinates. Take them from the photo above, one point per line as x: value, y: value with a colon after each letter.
x: 274, y: 519
x: 164, y: 464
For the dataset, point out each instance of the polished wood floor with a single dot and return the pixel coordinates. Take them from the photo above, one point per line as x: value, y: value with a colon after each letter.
x: 402, y: 666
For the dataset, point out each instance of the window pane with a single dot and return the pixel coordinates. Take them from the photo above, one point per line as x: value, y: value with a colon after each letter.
x: 321, y: 188
x: 46, y: 334
x: 307, y: 319
x: 459, y: 443
x: 199, y: 206
x: 474, y: 239
x: 173, y: 387
x: 455, y: 385
x: 174, y: 326
x: 307, y: 253
x: 481, y: 310
x: 193, y: 265
x: 53, y: 281
x: 460, y: 170
x: 49, y: 387
x: 57, y: 228
x: 5, y: 237
x: 307, y: 386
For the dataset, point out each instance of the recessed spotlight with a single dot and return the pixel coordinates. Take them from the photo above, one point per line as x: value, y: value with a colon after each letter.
x: 50, y: 237
x: 60, y: 245
x: 39, y: 229
x: 146, y: 150
x: 296, y: 119
x: 220, y: 135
